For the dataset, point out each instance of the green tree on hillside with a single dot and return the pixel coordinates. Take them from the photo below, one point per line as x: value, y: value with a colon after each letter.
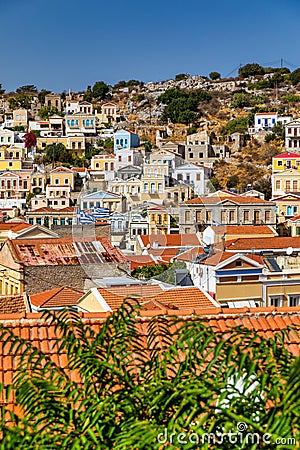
x: 27, y: 89
x: 214, y: 75
x: 100, y: 89
x: 251, y: 70
x: 295, y: 76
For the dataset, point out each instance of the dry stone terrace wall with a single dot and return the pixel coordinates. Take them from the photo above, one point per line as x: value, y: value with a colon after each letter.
x: 43, y: 278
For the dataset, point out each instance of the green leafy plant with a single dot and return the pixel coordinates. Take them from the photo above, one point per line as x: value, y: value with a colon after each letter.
x: 127, y: 384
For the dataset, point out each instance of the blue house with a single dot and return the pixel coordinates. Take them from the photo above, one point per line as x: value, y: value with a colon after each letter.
x: 125, y: 140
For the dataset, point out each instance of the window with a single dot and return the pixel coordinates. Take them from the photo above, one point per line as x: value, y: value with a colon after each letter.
x: 279, y: 163
x: 10, y: 164
x: 39, y: 221
x: 56, y: 181
x: 84, y: 205
x: 276, y: 300
x: 111, y: 166
x: 73, y: 145
x: 63, y: 221
x: 160, y: 188
x: 70, y: 221
x: 198, y: 177
x: 129, y: 158
x: 120, y: 158
x: 288, y: 185
x: 231, y: 216
x: 256, y: 217
x: 66, y: 180
x: 277, y: 185
x: 106, y: 166
x: 223, y: 217
x: 191, y: 155
x: 201, y: 155
x: 198, y: 216
x: 246, y: 216
x: 267, y: 216
x: 55, y: 221
x: 259, y: 121
x: 295, y: 185
x: 294, y: 300
x: 97, y: 165
x: 239, y: 263
x: 208, y: 216
x: 187, y: 216
x: 31, y: 221
x: 79, y: 144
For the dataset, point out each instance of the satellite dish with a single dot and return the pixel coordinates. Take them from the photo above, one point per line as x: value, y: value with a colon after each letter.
x: 289, y: 251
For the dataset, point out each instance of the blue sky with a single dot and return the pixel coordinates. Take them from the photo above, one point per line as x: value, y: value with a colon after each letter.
x: 64, y: 44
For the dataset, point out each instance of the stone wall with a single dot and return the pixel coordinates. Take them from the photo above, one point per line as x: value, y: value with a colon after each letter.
x: 82, y: 231
x: 44, y: 278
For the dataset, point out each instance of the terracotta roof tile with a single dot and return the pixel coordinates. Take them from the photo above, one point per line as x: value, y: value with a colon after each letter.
x: 243, y: 229
x: 215, y: 200
x: 13, y: 304
x: 171, y: 240
x: 263, y: 243
x: 178, y: 298
x: 55, y: 298
x: 42, y: 333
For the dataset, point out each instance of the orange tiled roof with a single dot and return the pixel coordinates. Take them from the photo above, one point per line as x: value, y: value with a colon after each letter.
x: 178, y: 298
x: 60, y: 251
x: 10, y: 304
x: 217, y: 199
x: 263, y: 243
x: 220, y: 256
x: 171, y: 240
x: 55, y: 298
x: 13, y: 226
x: 243, y: 229
x: 43, y: 335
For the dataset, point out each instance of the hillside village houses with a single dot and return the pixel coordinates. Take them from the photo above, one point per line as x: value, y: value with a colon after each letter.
x: 143, y: 207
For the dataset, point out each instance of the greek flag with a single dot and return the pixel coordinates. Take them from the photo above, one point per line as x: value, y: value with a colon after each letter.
x: 84, y: 218
x: 100, y: 213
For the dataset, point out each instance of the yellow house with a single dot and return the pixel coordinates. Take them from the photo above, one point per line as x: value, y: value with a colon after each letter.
x: 285, y: 181
x: 11, y: 158
x: 153, y: 181
x: 286, y: 161
x: 100, y: 163
x: 159, y: 220
x: 76, y: 144
x: 62, y: 176
x: 287, y: 206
